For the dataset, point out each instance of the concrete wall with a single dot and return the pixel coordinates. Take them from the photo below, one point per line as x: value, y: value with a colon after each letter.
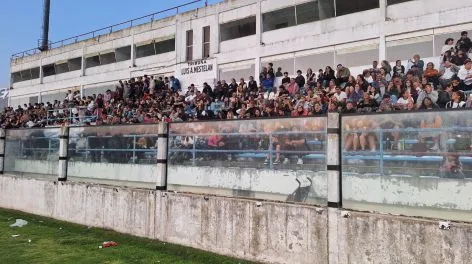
x: 260, y: 231
x: 272, y: 233
x: 373, y: 238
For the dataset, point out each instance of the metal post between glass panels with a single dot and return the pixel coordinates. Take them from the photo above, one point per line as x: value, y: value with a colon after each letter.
x: 2, y: 149
x: 63, y: 153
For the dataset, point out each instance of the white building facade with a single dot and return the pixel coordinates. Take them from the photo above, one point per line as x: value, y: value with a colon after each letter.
x: 234, y: 39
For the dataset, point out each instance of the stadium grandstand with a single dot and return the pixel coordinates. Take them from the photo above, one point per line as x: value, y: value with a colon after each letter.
x: 234, y: 60
x: 362, y: 107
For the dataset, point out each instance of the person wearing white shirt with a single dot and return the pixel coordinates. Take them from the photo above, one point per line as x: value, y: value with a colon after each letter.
x: 340, y: 95
x: 447, y: 71
x: 403, y: 101
x: 456, y: 100
x: 190, y: 97
x: 448, y: 46
x: 465, y: 74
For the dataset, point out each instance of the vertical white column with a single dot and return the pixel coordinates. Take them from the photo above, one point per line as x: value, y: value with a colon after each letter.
x: 41, y: 73
x: 259, y: 22
x: 257, y: 61
x: 82, y: 91
x: 133, y: 51
x: 383, y: 22
x: 83, y: 64
x: 2, y: 149
x: 63, y: 155
x: 161, y: 181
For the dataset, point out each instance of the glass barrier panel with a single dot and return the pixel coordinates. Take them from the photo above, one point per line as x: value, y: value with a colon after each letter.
x: 416, y: 164
x: 32, y: 151
x: 120, y: 154
x: 276, y: 159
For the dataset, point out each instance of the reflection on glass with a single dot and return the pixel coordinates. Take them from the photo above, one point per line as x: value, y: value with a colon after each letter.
x: 416, y: 159
x: 122, y: 144
x: 117, y: 154
x: 269, y: 148
x: 275, y: 144
x: 32, y: 151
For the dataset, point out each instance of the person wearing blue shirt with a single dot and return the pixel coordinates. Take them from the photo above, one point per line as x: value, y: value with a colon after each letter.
x: 174, y: 84
x: 268, y: 83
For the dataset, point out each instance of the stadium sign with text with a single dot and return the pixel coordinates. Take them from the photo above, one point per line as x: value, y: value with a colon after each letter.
x: 197, y: 66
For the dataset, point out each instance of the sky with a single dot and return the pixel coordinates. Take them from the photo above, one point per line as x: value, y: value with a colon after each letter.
x: 21, y: 21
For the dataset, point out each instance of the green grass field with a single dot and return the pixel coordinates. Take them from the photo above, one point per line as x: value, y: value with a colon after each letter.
x: 60, y: 242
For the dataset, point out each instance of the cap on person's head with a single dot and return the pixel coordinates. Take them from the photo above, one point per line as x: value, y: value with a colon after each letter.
x: 286, y: 73
x: 299, y: 71
x: 339, y: 65
x: 467, y: 61
x: 463, y: 33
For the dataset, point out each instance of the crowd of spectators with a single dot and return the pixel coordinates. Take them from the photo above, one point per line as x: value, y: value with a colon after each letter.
x: 381, y: 88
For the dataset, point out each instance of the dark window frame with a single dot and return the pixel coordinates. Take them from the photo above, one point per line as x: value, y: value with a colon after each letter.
x: 245, y: 27
x: 189, y: 45
x: 206, y: 31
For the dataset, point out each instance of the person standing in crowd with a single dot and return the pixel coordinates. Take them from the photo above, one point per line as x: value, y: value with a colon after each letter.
x: 300, y: 80
x: 448, y: 46
x: 286, y: 79
x: 342, y: 75
x: 398, y: 69
x: 464, y: 44
x: 416, y: 63
x: 279, y: 72
x: 175, y: 84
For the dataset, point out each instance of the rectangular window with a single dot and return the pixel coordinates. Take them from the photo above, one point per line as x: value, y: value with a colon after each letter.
x: 49, y: 70
x: 206, y: 42
x: 93, y: 61
x: 26, y: 75
x: 238, y: 29
x: 123, y: 54
x: 278, y: 19
x: 35, y: 73
x: 344, y: 7
x: 16, y: 77
x: 145, y: 50
x: 62, y: 67
x: 107, y: 58
x: 165, y: 46
x: 189, y: 45
x: 393, y: 2
x: 296, y: 15
x: 75, y: 64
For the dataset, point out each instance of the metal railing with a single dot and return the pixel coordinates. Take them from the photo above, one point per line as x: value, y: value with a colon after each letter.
x: 74, y: 119
x: 104, y: 31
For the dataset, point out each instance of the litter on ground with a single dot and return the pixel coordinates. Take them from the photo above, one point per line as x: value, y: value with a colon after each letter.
x: 19, y: 223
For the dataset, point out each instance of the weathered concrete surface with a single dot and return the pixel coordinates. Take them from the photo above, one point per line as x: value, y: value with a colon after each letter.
x: 374, y: 238
x: 266, y: 232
